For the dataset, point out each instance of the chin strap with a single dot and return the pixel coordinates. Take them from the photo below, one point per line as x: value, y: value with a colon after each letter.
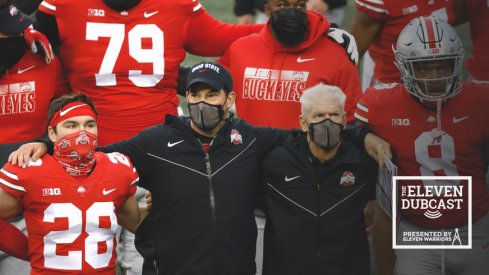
x: 437, y: 132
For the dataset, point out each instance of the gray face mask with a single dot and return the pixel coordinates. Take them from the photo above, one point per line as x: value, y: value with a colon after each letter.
x: 326, y: 134
x: 206, y: 116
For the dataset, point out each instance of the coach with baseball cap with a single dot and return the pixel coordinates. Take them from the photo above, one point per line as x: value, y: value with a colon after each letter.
x: 202, y: 173
x: 209, y: 95
x: 212, y: 74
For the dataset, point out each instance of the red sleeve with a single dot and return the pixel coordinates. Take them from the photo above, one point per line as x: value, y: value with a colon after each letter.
x: 377, y: 9
x: 128, y: 176
x: 207, y: 36
x: 48, y: 7
x: 348, y: 81
x: 62, y: 86
x: 134, y: 182
x: 362, y: 107
x: 13, y: 241
x: 11, y: 181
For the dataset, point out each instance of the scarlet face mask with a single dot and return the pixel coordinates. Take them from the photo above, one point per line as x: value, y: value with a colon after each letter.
x: 75, y: 152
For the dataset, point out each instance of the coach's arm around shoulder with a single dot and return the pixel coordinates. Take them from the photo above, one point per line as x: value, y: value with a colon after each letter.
x: 376, y: 147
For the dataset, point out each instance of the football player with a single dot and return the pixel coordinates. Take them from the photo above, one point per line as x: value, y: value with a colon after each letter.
x: 27, y: 84
x: 73, y: 200
x: 292, y: 53
x: 437, y: 126
x: 377, y: 24
x: 125, y: 54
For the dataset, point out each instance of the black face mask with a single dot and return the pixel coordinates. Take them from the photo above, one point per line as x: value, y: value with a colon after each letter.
x: 206, y: 116
x: 326, y: 134
x: 121, y: 5
x: 289, y: 25
x: 12, y: 49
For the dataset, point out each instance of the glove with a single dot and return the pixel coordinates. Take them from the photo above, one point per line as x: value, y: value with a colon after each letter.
x: 35, y: 39
x: 345, y: 40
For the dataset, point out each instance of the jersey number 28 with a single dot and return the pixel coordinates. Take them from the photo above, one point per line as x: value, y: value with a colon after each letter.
x: 96, y: 234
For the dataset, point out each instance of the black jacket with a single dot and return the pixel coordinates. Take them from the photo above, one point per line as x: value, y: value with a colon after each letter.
x: 202, y: 218
x: 314, y: 211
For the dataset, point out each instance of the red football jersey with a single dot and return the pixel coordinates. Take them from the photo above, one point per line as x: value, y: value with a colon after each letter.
x: 478, y: 63
x: 269, y: 78
x: 395, y: 15
x: 407, y: 125
x: 71, y: 221
x: 127, y: 62
x: 25, y: 92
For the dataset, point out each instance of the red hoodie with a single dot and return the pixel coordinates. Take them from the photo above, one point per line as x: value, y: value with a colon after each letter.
x: 269, y: 78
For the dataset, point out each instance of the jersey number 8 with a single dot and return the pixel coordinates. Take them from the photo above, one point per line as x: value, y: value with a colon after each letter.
x: 435, y: 164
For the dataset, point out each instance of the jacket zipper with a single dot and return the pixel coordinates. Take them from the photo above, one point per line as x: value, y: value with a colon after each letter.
x: 212, y: 201
x: 211, y: 188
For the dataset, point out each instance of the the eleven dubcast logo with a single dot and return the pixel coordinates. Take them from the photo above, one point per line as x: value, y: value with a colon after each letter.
x: 431, y: 201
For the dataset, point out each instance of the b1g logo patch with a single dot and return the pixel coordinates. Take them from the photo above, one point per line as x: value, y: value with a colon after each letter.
x: 51, y: 192
x: 441, y: 208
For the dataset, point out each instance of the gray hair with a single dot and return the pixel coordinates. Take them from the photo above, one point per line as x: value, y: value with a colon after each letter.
x: 321, y: 91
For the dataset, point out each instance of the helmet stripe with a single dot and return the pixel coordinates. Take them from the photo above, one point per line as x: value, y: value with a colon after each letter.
x: 430, y: 30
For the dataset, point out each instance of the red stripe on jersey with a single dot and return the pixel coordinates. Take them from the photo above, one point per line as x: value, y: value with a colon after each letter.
x: 431, y: 32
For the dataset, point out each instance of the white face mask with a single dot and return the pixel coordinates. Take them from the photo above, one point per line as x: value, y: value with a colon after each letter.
x: 326, y: 133
x: 206, y: 116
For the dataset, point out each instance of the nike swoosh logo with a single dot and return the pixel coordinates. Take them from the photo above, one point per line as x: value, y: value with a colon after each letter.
x: 174, y: 143
x: 300, y: 60
x: 148, y: 15
x: 20, y: 71
x: 287, y: 179
x: 62, y: 113
x: 106, y: 192
x: 457, y: 120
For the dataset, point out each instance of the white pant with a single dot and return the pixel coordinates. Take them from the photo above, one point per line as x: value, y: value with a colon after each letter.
x: 260, y: 223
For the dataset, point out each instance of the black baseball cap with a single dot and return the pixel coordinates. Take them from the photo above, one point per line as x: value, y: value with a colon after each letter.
x: 13, y: 21
x: 212, y: 74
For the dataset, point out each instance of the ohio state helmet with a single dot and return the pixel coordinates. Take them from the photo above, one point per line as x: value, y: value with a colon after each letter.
x: 424, y: 41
